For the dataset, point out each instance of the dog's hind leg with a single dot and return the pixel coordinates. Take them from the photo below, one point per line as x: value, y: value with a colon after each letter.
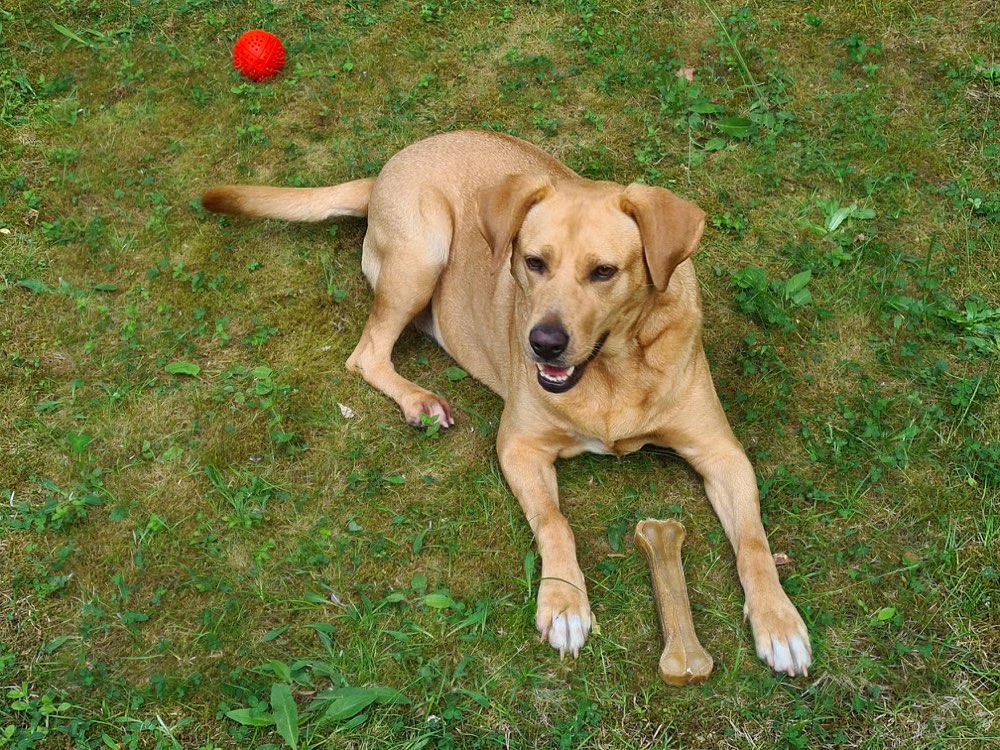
x: 403, y: 258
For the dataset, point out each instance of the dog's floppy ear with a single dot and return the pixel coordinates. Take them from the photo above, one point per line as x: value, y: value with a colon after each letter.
x: 501, y: 210
x: 670, y: 228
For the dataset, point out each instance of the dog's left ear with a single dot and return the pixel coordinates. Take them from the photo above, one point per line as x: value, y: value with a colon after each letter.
x: 501, y: 210
x: 670, y: 228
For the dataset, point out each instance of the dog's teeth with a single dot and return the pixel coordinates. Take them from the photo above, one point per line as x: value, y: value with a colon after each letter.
x: 562, y: 377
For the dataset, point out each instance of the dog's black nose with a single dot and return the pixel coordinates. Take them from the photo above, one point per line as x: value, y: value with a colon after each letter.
x: 548, y: 341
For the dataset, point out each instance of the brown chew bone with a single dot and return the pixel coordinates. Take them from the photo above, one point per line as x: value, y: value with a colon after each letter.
x: 683, y: 661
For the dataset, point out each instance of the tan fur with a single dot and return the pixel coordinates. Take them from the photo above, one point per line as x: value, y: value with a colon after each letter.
x: 445, y: 216
x: 291, y: 204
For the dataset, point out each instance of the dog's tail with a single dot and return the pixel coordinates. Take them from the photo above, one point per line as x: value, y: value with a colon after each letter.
x: 291, y: 204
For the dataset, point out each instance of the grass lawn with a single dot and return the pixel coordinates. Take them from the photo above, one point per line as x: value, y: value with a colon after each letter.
x: 212, y: 536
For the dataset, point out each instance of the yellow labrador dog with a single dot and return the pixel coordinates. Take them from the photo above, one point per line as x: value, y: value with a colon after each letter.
x: 575, y: 301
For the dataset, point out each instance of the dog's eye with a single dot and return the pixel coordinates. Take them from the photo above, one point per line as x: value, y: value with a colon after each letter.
x: 535, y: 264
x: 603, y: 273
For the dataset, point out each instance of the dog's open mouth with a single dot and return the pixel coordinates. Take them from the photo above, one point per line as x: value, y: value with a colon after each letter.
x: 560, y: 379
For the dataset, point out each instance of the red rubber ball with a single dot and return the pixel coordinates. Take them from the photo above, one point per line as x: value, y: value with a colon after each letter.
x: 258, y: 54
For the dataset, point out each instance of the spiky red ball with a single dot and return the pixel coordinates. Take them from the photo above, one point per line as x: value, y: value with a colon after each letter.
x: 258, y: 54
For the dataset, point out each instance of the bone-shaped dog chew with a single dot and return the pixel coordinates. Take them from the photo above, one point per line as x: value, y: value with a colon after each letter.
x: 683, y: 660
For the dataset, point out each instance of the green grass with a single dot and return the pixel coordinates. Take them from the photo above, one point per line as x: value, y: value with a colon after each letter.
x: 196, y: 539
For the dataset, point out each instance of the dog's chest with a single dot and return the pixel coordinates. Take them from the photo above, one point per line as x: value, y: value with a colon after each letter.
x: 606, y: 421
x: 591, y: 444
x: 594, y: 445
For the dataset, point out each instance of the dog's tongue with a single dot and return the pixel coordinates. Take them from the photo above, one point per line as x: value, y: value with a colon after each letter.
x: 555, y: 373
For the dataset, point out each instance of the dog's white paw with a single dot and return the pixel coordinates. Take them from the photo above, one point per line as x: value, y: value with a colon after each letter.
x: 563, y: 616
x: 781, y: 637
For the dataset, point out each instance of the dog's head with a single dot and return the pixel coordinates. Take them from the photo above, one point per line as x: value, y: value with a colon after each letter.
x: 586, y: 256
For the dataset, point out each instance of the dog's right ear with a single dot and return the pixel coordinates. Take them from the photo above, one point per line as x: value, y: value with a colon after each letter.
x: 501, y: 210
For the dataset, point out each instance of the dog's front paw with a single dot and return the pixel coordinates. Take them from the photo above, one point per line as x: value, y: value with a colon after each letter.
x: 563, y: 615
x: 780, y: 636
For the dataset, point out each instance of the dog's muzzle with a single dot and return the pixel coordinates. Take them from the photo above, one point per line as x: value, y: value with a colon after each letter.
x: 560, y: 379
